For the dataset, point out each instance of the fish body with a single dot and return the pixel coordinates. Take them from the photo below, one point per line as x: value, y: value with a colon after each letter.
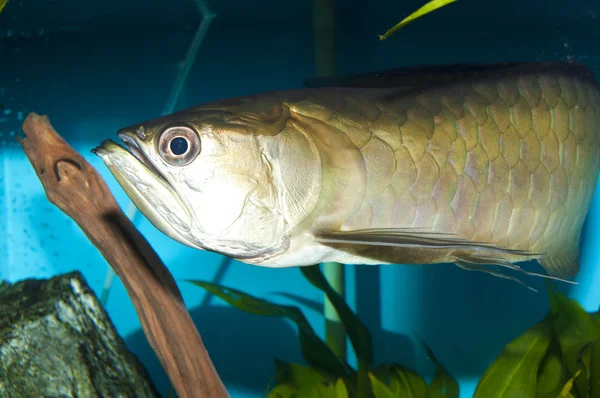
x: 473, y: 165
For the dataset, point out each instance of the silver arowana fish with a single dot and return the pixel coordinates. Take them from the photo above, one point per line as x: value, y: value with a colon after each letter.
x: 482, y: 166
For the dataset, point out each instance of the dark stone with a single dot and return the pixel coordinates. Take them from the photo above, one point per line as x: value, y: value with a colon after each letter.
x: 56, y: 340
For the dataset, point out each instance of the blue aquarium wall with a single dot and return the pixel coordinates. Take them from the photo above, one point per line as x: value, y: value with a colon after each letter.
x: 94, y: 67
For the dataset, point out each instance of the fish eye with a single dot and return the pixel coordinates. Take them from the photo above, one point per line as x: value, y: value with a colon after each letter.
x: 179, y: 145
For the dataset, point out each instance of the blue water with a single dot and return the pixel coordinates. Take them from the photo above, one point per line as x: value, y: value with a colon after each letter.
x: 94, y: 68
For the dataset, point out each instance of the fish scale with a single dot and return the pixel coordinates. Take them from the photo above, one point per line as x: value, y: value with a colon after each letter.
x: 506, y: 161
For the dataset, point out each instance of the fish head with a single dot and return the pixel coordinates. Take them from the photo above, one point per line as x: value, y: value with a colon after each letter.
x: 202, y: 178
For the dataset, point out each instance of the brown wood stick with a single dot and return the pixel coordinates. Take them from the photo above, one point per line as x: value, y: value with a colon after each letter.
x: 75, y: 187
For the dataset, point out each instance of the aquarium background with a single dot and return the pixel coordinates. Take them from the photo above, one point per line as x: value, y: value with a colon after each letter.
x: 96, y: 66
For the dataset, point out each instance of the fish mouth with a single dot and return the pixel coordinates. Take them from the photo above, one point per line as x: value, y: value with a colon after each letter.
x: 152, y: 194
x: 134, y: 148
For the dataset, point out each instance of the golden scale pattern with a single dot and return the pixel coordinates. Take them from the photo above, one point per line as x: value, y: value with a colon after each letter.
x: 504, y: 163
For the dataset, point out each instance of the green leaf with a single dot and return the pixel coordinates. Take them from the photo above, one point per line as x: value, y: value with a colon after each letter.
x: 402, y: 381
x: 586, y: 361
x: 301, y: 381
x: 514, y: 371
x: 443, y: 384
x: 298, y: 375
x: 341, y: 391
x: 314, y: 350
x: 575, y: 330
x: 426, y: 9
x: 284, y: 391
x: 595, y: 370
x: 552, y: 375
x: 359, y: 335
x: 567, y: 391
x: 380, y: 390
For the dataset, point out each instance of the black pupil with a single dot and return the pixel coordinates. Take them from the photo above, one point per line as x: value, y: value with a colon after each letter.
x: 179, y: 146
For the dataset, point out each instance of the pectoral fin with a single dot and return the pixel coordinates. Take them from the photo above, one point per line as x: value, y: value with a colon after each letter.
x: 490, y: 271
x: 414, y: 237
x: 467, y: 254
x: 486, y: 263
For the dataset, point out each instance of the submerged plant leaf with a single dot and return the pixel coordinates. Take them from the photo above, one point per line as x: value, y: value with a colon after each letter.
x: 595, y: 370
x: 586, y: 361
x: 298, y: 375
x: 566, y: 391
x: 576, y: 330
x: 357, y: 332
x: 315, y: 352
x: 401, y: 381
x: 294, y: 380
x: 283, y: 391
x: 426, y: 9
x: 380, y: 390
x: 552, y: 375
x: 515, y: 370
x: 341, y: 391
x: 443, y: 385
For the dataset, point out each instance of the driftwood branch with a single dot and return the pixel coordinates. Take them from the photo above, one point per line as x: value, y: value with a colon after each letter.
x: 73, y: 185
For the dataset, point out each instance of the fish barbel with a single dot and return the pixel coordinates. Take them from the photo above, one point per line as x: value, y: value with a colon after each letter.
x: 482, y: 166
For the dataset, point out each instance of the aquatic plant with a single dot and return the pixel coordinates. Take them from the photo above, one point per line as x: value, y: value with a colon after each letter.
x: 426, y: 9
x: 558, y: 357
x: 3, y: 4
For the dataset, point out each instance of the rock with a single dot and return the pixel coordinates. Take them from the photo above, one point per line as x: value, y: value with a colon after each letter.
x: 56, y: 340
